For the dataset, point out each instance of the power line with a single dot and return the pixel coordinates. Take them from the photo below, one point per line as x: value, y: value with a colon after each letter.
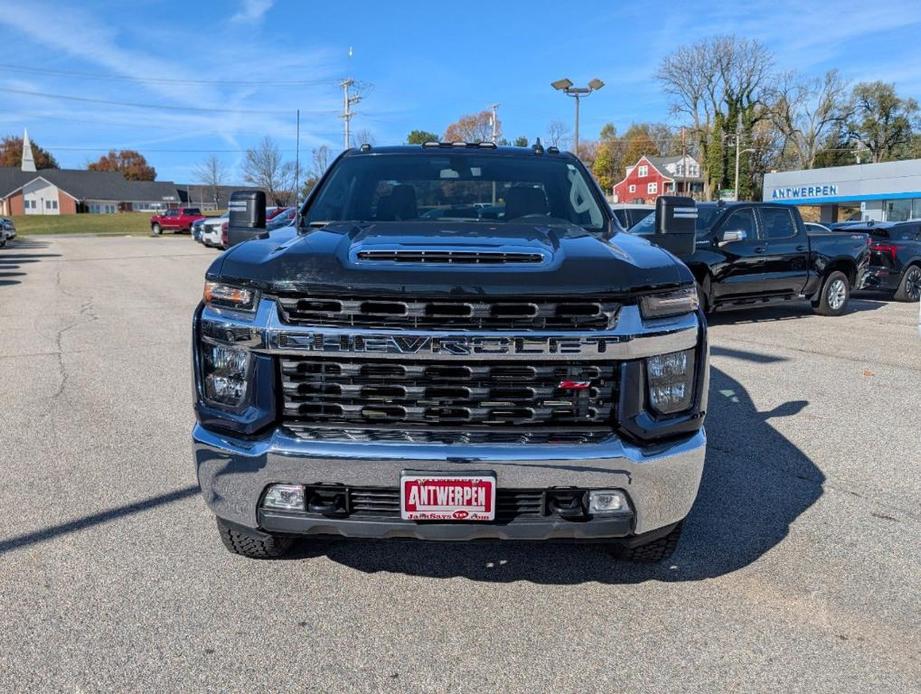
x: 197, y: 109
x: 167, y: 80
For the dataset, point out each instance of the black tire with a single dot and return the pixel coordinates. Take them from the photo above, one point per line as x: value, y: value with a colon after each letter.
x: 836, y: 291
x: 703, y: 291
x: 910, y: 286
x: 253, y: 545
x: 3, y: 243
x: 155, y: 230
x: 651, y: 552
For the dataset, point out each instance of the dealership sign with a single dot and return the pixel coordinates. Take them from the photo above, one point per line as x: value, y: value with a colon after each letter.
x: 796, y: 192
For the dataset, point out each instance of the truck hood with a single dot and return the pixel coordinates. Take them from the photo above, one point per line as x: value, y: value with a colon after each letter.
x: 334, y: 259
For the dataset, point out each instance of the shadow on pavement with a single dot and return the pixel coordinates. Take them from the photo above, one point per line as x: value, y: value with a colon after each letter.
x: 755, y: 484
x: 18, y: 253
x: 95, y: 519
x: 792, y: 311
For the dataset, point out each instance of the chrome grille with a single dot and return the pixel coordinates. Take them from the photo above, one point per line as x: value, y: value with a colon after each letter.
x: 450, y: 257
x: 450, y: 314
x: 371, y: 393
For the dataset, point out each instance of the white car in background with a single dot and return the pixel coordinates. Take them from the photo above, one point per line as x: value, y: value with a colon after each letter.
x: 212, y: 231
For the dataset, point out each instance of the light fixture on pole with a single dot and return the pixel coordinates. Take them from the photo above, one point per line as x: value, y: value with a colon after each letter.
x: 565, y: 85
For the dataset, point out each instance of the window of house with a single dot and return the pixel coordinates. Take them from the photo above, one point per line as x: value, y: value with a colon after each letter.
x: 643, y: 171
x: 632, y: 188
x: 652, y: 188
x: 54, y: 204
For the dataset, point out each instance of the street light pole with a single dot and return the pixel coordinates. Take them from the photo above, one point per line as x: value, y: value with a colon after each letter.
x: 565, y: 85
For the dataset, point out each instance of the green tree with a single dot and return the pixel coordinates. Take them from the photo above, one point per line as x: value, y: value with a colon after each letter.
x: 420, y: 137
x: 881, y: 120
x: 11, y: 154
x: 520, y: 141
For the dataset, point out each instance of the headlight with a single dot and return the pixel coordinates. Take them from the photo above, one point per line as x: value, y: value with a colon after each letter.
x: 670, y: 379
x: 226, y: 374
x: 222, y: 295
x: 684, y: 300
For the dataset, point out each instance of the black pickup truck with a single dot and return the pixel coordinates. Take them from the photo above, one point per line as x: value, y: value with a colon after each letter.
x: 753, y: 254
x: 403, y: 365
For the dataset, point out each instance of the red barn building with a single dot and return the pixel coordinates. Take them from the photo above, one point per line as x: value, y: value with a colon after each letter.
x: 651, y: 177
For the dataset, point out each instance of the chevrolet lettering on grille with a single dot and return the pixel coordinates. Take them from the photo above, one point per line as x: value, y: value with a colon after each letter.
x: 443, y: 346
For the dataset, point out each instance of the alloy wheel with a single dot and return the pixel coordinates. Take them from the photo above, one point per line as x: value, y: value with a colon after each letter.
x: 913, y: 283
x: 836, y: 294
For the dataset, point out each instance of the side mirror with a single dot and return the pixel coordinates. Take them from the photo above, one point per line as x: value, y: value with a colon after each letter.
x: 675, y: 224
x: 732, y: 237
x: 247, y: 216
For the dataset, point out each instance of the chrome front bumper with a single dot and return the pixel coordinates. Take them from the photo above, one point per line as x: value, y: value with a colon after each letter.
x: 661, y: 481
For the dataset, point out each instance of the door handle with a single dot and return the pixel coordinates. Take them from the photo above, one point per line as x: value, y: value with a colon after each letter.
x: 760, y: 249
x: 801, y: 248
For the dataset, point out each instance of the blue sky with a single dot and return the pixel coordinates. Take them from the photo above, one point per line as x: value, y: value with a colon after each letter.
x: 194, y: 78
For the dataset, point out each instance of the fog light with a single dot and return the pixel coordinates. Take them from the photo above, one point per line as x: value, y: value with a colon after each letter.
x: 287, y: 497
x: 606, y: 501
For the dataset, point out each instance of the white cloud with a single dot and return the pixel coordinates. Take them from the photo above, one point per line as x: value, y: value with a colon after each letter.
x: 252, y: 11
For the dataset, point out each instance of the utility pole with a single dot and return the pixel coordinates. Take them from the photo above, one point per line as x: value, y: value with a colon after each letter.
x: 495, y: 123
x: 348, y: 101
x: 297, y: 162
x: 738, y: 150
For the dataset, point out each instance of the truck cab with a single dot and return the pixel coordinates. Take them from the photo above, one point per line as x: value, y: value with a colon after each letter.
x: 751, y: 254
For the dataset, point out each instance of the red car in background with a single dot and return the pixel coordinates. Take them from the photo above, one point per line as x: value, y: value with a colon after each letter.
x: 177, y: 220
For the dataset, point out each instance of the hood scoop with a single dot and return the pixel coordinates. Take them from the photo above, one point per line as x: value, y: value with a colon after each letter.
x: 442, y: 256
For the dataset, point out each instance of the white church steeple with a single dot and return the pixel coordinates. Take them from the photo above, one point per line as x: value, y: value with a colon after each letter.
x: 28, y: 161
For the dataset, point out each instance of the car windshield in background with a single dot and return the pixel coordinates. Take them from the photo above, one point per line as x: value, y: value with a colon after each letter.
x: 458, y: 187
x: 706, y: 218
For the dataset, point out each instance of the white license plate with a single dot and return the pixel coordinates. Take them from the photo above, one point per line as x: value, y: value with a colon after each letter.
x: 446, y: 497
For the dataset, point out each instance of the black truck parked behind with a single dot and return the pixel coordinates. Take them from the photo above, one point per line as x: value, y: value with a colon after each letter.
x: 895, y: 257
x: 752, y: 254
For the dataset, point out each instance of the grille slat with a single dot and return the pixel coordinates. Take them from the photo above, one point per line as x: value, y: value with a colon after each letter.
x: 450, y: 314
x: 348, y: 392
x: 510, y: 503
x: 312, y: 432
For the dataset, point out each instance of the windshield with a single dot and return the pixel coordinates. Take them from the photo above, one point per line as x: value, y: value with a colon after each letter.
x: 457, y: 186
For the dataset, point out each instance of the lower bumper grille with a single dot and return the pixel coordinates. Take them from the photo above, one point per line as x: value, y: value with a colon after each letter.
x: 379, y: 393
x: 384, y: 502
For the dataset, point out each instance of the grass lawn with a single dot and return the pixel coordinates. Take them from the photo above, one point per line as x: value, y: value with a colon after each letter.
x: 115, y: 224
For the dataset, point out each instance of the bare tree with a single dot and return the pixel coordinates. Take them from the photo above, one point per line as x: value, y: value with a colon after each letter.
x: 806, y: 110
x: 212, y: 174
x: 319, y: 161
x: 363, y: 137
x: 558, y: 134
x: 263, y: 167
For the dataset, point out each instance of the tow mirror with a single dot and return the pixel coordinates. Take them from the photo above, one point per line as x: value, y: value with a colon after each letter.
x: 732, y: 237
x: 247, y: 216
x: 675, y: 224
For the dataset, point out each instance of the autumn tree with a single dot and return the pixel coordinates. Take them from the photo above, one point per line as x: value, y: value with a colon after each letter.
x: 11, y: 154
x: 638, y: 142
x: 477, y: 127
x: 129, y: 163
x: 881, y: 120
x: 264, y: 168
x: 420, y: 137
x: 609, y: 165
x: 212, y: 174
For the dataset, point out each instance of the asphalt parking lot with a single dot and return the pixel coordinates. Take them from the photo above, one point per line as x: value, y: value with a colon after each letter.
x: 799, y: 568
